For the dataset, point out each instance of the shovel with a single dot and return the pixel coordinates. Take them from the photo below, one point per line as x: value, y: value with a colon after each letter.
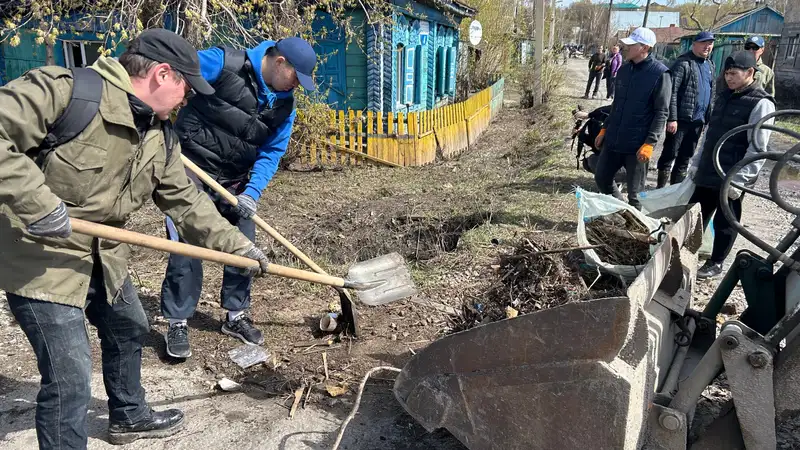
x: 344, y: 297
x: 376, y: 281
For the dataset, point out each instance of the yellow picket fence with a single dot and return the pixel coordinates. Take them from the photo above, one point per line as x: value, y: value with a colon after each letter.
x: 404, y: 140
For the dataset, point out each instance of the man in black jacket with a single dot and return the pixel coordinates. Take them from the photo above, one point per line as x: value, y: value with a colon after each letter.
x: 596, y: 65
x: 689, y: 108
x: 743, y: 101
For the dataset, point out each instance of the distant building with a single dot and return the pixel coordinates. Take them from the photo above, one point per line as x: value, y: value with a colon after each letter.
x: 734, y: 29
x: 628, y: 15
x: 787, y: 61
x: 668, y: 42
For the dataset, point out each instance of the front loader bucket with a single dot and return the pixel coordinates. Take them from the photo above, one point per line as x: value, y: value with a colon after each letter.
x: 578, y: 376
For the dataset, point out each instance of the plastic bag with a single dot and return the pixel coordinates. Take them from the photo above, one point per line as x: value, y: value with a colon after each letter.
x: 676, y: 195
x: 666, y: 197
x: 591, y: 205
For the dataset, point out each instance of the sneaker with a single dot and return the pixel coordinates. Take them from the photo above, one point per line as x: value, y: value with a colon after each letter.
x: 709, y: 270
x: 156, y: 425
x: 242, y: 328
x: 177, y: 338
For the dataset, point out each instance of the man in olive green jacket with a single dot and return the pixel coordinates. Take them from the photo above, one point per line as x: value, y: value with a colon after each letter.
x: 53, y: 276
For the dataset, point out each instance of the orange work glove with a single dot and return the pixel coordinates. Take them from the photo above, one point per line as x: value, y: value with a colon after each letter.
x: 644, y: 153
x: 598, y: 141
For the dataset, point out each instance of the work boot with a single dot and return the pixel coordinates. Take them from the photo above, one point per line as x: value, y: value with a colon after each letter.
x: 663, y: 176
x: 677, y: 176
x: 709, y: 270
x: 242, y: 328
x: 177, y: 338
x: 156, y: 425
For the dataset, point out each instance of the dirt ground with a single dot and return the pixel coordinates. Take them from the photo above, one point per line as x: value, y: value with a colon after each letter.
x: 452, y: 221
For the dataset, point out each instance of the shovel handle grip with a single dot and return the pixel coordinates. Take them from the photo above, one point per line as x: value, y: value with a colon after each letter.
x: 179, y: 248
x: 230, y: 198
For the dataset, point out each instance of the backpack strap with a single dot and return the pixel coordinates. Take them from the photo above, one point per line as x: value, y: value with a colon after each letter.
x: 87, y: 89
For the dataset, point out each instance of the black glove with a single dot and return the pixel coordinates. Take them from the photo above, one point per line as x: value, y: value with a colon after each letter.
x: 256, y: 271
x: 55, y: 224
x: 246, y: 207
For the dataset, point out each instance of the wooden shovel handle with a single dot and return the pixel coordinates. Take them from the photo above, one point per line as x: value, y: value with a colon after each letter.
x: 230, y: 198
x: 192, y: 251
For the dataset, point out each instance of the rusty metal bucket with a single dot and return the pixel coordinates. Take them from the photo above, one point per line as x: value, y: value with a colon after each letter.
x: 578, y: 376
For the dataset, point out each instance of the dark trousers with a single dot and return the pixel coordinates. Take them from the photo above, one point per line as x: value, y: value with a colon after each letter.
x: 183, y: 282
x: 607, y: 166
x: 594, y: 76
x: 680, y: 148
x: 724, y: 234
x: 58, y: 336
x: 610, y: 86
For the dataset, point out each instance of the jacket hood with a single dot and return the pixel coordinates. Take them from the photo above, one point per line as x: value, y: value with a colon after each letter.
x: 114, y: 73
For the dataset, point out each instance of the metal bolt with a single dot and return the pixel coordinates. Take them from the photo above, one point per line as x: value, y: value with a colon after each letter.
x: 730, y: 342
x: 744, y: 263
x: 758, y: 359
x: 669, y: 421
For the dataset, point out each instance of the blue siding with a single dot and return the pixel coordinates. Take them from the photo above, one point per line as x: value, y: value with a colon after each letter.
x: 765, y: 21
x: 330, y: 48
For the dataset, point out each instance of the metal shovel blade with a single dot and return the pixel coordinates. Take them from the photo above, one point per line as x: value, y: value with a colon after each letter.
x: 386, y: 279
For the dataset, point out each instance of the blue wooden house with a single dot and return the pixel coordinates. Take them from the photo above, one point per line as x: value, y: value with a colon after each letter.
x: 410, y: 66
x: 734, y: 29
x: 78, y: 47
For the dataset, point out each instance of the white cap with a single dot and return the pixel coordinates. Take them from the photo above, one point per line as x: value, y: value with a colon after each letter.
x: 641, y: 35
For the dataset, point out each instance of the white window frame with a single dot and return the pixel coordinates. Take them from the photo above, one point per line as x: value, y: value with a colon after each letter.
x: 793, y: 44
x: 68, y: 60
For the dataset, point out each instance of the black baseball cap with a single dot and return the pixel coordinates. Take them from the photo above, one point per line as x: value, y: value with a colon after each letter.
x: 741, y: 59
x: 164, y: 46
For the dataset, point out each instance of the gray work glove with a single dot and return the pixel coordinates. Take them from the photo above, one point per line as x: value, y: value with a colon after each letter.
x: 256, y: 271
x: 246, y: 207
x: 55, y: 224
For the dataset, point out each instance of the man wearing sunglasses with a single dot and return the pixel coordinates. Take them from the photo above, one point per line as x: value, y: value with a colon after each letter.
x: 56, y: 279
x: 765, y: 77
x: 237, y: 135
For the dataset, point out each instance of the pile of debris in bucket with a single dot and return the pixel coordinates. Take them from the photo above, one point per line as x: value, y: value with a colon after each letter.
x: 621, y: 239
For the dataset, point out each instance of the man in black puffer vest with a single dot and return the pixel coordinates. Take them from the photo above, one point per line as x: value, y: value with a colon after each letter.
x: 637, y: 118
x: 689, y: 108
x: 237, y: 135
x: 742, y: 102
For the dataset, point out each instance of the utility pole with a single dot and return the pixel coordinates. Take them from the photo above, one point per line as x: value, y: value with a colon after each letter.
x: 646, y: 13
x: 538, y: 12
x: 552, y: 24
x: 608, y: 29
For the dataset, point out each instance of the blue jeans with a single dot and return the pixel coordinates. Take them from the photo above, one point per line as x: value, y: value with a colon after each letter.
x: 183, y: 281
x: 59, y: 339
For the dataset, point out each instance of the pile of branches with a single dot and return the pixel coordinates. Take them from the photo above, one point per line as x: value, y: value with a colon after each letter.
x: 622, y: 239
x: 538, y: 275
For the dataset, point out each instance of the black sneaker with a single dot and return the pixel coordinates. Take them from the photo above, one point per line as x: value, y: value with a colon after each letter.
x: 709, y: 270
x: 177, y: 338
x: 157, y: 425
x: 242, y: 328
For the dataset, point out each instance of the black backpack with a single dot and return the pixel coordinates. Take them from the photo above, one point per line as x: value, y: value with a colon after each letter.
x: 587, y: 132
x: 84, y: 103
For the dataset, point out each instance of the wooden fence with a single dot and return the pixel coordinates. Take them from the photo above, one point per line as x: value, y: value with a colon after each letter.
x: 404, y: 140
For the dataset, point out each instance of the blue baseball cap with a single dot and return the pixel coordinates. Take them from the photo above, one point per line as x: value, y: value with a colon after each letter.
x: 704, y: 36
x: 758, y: 40
x: 302, y: 57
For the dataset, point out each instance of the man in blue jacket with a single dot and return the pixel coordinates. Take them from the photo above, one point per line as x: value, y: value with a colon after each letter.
x: 237, y: 135
x: 637, y: 118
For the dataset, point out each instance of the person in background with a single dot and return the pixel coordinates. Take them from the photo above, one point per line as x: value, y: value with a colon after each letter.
x: 742, y: 101
x: 596, y: 65
x: 237, y: 135
x: 764, y: 75
x: 637, y: 118
x: 689, y: 108
x: 611, y: 71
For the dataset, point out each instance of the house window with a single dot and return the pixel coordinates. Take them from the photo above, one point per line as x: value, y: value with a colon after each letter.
x: 791, y: 50
x: 80, y: 54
